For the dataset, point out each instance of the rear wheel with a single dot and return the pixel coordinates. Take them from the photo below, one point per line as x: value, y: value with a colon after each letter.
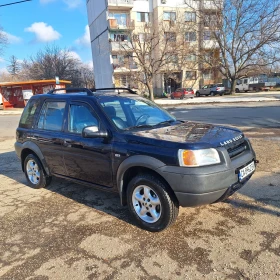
x: 237, y: 90
x: 182, y: 96
x: 34, y: 172
x: 172, y: 97
x: 153, y: 206
x: 197, y: 94
x: 212, y: 93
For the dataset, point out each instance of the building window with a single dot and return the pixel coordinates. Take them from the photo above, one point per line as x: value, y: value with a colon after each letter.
x: 170, y: 36
x: 169, y: 16
x: 190, y: 57
x: 190, y: 75
x: 118, y: 37
x: 210, y: 20
x: 207, y: 75
x: 190, y: 16
x: 172, y: 58
x: 190, y: 36
x: 121, y: 18
x: 207, y: 35
x: 140, y: 37
x: 142, y: 17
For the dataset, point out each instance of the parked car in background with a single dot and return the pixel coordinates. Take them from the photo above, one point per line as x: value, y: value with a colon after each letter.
x: 213, y: 89
x: 1, y: 100
x: 182, y: 93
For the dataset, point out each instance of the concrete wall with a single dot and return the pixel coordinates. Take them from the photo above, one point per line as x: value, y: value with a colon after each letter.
x: 99, y: 35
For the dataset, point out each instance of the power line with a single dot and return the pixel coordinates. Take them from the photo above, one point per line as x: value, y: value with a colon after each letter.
x: 14, y: 3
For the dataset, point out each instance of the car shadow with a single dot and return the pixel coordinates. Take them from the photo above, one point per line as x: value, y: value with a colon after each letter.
x: 106, y: 202
x: 258, y: 193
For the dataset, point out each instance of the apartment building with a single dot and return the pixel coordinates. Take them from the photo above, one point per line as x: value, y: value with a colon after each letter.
x: 185, y: 24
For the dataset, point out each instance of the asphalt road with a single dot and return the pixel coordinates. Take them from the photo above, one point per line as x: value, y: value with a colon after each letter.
x: 266, y: 116
x: 8, y: 125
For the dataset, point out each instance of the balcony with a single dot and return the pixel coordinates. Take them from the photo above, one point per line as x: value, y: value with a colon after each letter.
x: 213, y: 5
x: 128, y: 25
x: 121, y: 46
x: 120, y: 4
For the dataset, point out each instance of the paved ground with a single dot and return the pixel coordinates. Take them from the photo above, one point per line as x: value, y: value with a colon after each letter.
x: 68, y: 231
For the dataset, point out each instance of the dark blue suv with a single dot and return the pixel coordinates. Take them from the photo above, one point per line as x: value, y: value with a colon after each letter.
x: 118, y: 141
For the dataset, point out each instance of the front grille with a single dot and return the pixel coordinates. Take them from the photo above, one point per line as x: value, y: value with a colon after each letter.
x: 237, y: 150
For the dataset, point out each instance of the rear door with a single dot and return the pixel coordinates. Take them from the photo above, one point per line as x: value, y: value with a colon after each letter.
x: 86, y: 159
x: 48, y: 136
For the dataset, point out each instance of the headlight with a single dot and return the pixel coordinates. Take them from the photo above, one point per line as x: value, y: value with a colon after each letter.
x: 193, y: 158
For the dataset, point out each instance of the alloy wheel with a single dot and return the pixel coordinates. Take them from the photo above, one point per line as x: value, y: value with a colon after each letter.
x: 146, y: 204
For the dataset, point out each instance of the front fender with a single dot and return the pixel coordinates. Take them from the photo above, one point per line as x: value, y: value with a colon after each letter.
x: 136, y: 161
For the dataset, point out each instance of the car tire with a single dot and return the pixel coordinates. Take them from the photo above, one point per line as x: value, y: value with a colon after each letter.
x: 35, y: 173
x: 212, y: 93
x: 237, y: 90
x: 172, y: 97
x: 147, y: 194
x: 182, y: 97
x: 197, y: 94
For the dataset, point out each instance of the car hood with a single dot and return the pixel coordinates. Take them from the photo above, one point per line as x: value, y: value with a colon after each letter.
x: 194, y: 134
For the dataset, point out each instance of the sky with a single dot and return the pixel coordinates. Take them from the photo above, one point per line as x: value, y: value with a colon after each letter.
x: 31, y: 26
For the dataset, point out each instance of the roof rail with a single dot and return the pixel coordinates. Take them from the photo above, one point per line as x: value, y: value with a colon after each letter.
x: 72, y: 90
x: 114, y: 88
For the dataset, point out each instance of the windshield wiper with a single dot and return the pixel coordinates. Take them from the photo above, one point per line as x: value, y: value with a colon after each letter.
x: 139, y: 126
x: 165, y: 122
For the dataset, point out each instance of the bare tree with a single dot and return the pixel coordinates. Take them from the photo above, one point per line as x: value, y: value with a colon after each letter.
x: 157, y: 49
x: 52, y: 62
x: 246, y: 32
x: 87, y: 76
x: 14, y: 67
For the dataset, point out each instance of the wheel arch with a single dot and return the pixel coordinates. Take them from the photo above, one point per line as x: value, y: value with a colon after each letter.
x: 136, y: 165
x: 31, y: 148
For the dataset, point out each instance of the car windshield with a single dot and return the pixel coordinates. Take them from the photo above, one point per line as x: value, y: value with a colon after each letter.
x: 131, y: 113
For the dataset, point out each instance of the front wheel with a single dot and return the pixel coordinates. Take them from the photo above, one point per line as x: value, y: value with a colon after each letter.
x: 34, y: 172
x: 153, y: 206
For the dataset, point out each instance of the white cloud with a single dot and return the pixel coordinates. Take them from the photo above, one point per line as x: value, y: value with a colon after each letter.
x: 85, y: 39
x: 43, y: 32
x: 72, y: 4
x: 11, y: 38
x: 74, y: 55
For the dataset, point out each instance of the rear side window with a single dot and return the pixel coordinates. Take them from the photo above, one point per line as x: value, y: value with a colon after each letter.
x: 27, y: 116
x: 51, y: 115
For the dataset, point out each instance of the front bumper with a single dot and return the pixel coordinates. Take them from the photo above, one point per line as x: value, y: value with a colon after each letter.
x: 209, y: 184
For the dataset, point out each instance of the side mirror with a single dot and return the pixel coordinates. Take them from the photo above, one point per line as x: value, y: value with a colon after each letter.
x: 94, y: 132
